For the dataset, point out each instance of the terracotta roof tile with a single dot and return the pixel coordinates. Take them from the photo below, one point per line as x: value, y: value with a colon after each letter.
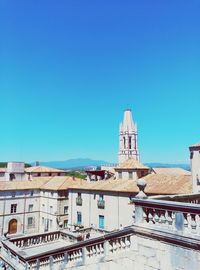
x: 131, y: 164
x: 156, y: 184
x: 42, y: 169
x: 178, y: 171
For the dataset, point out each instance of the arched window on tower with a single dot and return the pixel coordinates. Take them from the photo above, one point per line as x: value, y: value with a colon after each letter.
x: 124, y: 142
x: 129, y: 142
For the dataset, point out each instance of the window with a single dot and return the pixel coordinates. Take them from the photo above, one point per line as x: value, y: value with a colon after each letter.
x: 13, y: 194
x: 198, y: 182
x: 101, y: 222
x: 65, y: 223
x: 51, y: 223
x: 101, y: 197
x: 30, y: 207
x: 191, y: 155
x: 79, y: 218
x: 12, y: 176
x: 31, y: 194
x: 65, y: 210
x: 43, y: 221
x: 79, y: 199
x: 130, y: 175
x: 129, y: 142
x: 124, y: 142
x: 51, y: 209
x: 30, y: 221
x: 120, y: 175
x: 13, y: 208
x: 52, y: 194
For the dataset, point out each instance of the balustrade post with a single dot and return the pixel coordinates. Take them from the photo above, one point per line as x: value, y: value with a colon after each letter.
x: 106, y: 248
x: 51, y: 263
x: 134, y: 242
x: 37, y: 264
x: 65, y: 258
x: 139, y: 212
x: 179, y: 221
x: 27, y: 266
x: 83, y: 255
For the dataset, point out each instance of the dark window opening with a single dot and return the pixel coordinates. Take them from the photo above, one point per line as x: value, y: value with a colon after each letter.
x: 129, y: 142
x: 12, y: 176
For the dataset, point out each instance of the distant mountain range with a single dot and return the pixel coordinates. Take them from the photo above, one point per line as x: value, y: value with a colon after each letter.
x: 80, y: 163
x: 73, y: 163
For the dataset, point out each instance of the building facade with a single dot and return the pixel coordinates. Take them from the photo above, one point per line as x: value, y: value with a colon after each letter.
x: 195, y: 166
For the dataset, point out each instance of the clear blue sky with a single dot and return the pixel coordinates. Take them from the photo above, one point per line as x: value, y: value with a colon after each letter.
x: 69, y: 68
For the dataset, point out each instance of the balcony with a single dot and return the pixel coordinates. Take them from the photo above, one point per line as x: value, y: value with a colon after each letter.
x: 101, y: 204
x: 79, y: 201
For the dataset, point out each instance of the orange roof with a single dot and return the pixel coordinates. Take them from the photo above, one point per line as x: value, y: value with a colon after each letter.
x: 156, y: 184
x: 42, y: 169
x: 165, y: 170
x: 131, y: 164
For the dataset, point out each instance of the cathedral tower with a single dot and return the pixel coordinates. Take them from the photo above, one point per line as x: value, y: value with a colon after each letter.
x: 128, y: 147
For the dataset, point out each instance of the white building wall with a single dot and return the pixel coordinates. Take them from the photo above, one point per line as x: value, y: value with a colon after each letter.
x: 22, y: 199
x: 195, y: 166
x: 44, y: 209
x: 48, y: 211
x: 126, y: 176
x: 117, y: 211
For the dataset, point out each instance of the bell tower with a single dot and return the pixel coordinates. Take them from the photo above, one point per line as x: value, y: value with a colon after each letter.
x: 128, y: 147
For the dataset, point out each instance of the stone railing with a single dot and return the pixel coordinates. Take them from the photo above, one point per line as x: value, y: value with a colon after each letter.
x: 81, y: 253
x: 184, y: 217
x: 32, y: 240
x: 186, y: 198
x: 11, y: 258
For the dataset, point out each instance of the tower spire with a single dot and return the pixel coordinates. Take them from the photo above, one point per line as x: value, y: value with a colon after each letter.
x: 128, y: 138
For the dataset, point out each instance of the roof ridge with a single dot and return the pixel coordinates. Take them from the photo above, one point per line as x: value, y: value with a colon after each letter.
x: 46, y: 182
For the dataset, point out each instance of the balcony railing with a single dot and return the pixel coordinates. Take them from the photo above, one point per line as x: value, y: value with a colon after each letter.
x: 80, y: 253
x: 79, y: 201
x: 184, y: 198
x: 43, y: 238
x: 175, y: 216
x: 100, y: 249
x: 101, y: 204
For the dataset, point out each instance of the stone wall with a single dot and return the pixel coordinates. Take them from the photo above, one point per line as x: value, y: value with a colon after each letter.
x: 146, y: 254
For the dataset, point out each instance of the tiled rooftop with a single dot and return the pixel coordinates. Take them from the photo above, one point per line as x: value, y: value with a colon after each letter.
x: 178, y: 171
x: 156, y: 184
x: 42, y: 169
x: 131, y: 164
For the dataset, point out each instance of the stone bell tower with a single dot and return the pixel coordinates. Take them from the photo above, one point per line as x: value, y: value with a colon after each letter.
x: 128, y: 147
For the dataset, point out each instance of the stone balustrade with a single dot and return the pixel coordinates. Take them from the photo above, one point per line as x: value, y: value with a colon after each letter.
x: 12, y: 260
x: 80, y: 253
x: 140, y: 243
x: 28, y: 241
x: 184, y: 217
x: 185, y: 198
